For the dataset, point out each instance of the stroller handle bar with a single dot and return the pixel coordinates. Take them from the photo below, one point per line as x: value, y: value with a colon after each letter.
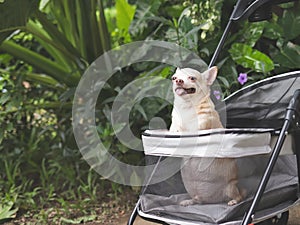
x: 294, y: 104
x: 255, y: 10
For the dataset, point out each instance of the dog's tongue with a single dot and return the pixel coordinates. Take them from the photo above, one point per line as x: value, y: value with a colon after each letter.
x: 180, y: 91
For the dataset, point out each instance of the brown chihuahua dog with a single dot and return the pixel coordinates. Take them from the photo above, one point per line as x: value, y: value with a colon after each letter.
x: 207, y: 180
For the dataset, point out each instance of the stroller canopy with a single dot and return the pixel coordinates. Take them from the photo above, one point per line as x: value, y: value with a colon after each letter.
x: 263, y: 103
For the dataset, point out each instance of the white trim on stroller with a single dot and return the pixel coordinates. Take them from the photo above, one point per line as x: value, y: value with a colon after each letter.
x: 262, y: 82
x: 220, y: 143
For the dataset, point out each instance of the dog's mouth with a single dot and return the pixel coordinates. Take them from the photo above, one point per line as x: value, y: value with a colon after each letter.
x: 184, y: 91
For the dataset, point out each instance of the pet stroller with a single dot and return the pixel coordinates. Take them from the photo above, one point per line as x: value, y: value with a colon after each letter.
x: 262, y: 133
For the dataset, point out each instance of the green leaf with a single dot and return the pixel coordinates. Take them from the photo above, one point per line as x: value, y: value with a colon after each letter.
x: 253, y: 32
x: 290, y: 22
x: 103, y: 30
x: 250, y: 58
x: 46, y: 65
x: 43, y: 3
x: 4, y: 98
x: 59, y: 38
x: 14, y: 15
x: 44, y: 80
x: 273, y: 31
x: 174, y: 11
x: 194, y: 30
x: 58, y: 47
x: 118, y: 128
x: 289, y: 56
x: 224, y: 81
x: 144, y: 11
x: 79, y: 220
x: 140, y: 109
x: 125, y: 13
x: 7, y: 211
x: 1, y: 135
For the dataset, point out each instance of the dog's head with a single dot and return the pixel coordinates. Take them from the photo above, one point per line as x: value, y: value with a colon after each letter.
x: 188, y: 82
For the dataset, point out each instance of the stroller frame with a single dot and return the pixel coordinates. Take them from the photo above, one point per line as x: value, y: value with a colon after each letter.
x: 292, y: 118
x: 251, y: 9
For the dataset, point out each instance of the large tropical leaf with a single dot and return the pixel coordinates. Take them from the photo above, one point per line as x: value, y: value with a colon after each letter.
x: 250, y: 58
x: 289, y: 56
x: 14, y: 15
x: 254, y: 32
x: 290, y: 22
x: 51, y: 68
x: 73, y: 33
x: 125, y: 13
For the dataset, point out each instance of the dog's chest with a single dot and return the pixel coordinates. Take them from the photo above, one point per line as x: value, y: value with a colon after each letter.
x: 186, y: 119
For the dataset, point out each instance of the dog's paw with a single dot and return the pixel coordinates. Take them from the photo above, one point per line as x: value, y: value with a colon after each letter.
x: 187, y: 202
x: 232, y: 202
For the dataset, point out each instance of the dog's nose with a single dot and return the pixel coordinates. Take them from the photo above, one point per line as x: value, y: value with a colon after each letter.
x: 179, y: 81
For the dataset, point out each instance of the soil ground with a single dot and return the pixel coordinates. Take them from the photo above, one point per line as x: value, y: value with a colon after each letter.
x: 111, y: 212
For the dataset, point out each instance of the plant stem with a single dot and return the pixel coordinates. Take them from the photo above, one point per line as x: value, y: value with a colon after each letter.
x: 46, y: 65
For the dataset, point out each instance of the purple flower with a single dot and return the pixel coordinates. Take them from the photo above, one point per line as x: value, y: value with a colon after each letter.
x: 243, y: 77
x: 217, y: 94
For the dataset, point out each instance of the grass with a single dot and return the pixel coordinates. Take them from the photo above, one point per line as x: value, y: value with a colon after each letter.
x: 59, y: 192
x: 106, y: 210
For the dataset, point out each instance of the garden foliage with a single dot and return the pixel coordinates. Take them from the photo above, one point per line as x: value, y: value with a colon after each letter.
x: 45, y: 47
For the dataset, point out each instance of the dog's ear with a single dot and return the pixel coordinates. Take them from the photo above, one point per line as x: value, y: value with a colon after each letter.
x: 210, y: 75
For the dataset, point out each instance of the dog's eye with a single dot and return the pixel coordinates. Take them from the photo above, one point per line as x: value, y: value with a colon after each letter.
x: 192, y: 78
x: 174, y: 78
